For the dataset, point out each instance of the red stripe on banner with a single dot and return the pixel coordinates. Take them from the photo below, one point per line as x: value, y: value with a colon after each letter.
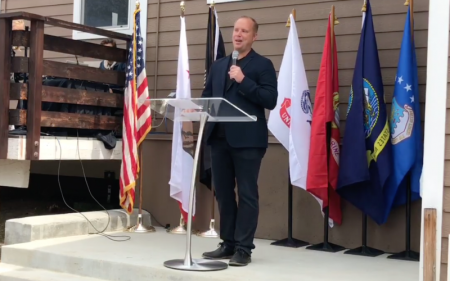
x: 183, y: 213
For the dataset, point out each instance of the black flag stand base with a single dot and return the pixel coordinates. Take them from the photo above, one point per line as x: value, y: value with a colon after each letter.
x: 364, y: 250
x: 407, y: 255
x: 290, y: 242
x: 326, y: 246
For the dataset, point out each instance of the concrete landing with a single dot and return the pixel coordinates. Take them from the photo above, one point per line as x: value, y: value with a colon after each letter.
x: 142, y: 257
x: 55, y: 226
x: 17, y: 273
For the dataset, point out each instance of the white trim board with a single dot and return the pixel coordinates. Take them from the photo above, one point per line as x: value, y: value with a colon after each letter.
x: 89, y: 149
x: 432, y: 182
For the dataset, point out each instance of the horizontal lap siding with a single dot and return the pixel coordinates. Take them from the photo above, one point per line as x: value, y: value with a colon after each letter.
x: 58, y: 9
x: 389, y: 18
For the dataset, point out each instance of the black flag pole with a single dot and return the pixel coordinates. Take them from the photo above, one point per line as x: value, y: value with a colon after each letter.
x: 326, y: 246
x: 214, y: 50
x: 408, y: 254
x: 290, y: 241
x: 364, y: 250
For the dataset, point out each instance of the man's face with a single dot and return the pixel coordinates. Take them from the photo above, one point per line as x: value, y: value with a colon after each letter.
x: 243, y: 35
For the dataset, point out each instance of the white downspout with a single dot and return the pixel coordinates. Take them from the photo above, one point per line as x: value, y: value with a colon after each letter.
x: 435, y: 112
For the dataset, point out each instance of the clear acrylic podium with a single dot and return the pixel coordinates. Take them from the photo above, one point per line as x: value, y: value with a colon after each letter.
x: 197, y: 110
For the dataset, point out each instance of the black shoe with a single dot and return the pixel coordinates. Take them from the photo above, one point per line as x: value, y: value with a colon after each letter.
x: 240, y: 258
x: 223, y: 252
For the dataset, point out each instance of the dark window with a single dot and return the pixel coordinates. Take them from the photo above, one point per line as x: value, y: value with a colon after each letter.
x: 105, y: 13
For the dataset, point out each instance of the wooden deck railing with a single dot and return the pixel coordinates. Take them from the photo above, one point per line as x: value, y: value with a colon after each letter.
x: 34, y: 92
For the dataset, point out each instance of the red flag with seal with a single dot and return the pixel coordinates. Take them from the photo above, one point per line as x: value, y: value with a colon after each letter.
x: 323, y: 166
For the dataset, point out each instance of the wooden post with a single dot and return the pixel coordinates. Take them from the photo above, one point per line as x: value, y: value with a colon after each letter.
x: 429, y: 246
x: 35, y: 70
x: 5, y: 74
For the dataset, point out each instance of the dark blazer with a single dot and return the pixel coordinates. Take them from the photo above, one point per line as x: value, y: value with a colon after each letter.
x: 257, y: 92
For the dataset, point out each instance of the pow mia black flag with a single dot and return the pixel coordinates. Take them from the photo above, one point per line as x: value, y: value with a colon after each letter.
x: 215, y: 49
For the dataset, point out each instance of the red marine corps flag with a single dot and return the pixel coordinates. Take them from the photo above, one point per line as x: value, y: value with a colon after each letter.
x: 137, y: 121
x: 325, y: 137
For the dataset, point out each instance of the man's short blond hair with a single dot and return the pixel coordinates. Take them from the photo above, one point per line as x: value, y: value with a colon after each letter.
x: 255, y: 24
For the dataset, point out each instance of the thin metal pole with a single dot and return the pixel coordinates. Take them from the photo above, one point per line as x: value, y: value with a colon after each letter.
x: 188, y: 255
x: 140, y: 181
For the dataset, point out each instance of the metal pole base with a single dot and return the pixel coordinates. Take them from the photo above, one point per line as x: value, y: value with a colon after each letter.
x: 405, y: 256
x: 141, y: 228
x: 197, y: 265
x: 181, y: 229
x: 364, y: 251
x: 290, y: 242
x: 177, y: 230
x: 211, y: 233
x: 326, y: 247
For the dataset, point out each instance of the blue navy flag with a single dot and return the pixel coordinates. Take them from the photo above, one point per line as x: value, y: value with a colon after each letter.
x: 366, y: 157
x: 405, y: 122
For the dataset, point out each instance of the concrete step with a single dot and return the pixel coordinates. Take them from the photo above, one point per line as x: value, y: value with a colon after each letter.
x: 30, y: 229
x: 141, y: 258
x: 17, y: 273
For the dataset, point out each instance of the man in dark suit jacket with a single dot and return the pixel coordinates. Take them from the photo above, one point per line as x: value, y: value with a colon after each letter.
x: 237, y: 148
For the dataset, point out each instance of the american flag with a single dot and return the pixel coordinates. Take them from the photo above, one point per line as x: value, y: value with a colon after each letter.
x: 137, y: 121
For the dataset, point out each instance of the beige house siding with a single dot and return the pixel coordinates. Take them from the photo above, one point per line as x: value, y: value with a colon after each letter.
x: 389, y: 19
x: 59, y: 9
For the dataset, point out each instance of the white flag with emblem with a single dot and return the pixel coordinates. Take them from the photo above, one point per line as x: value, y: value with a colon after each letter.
x: 290, y: 121
x: 182, y: 139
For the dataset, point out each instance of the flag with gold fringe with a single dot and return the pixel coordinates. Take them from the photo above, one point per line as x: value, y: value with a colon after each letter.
x: 137, y: 121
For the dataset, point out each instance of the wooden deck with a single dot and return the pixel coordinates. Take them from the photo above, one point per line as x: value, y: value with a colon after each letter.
x: 35, y: 117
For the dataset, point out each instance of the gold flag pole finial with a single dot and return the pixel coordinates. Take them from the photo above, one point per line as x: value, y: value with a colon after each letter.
x: 364, y: 7
x: 212, y: 4
x: 336, y: 22
x: 137, y: 5
x: 406, y: 3
x: 288, y: 24
x: 182, y: 7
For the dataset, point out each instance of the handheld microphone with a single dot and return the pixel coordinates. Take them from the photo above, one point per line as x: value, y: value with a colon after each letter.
x: 234, y: 56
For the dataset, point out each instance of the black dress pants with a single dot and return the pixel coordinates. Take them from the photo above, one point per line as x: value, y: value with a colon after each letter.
x: 231, y: 166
